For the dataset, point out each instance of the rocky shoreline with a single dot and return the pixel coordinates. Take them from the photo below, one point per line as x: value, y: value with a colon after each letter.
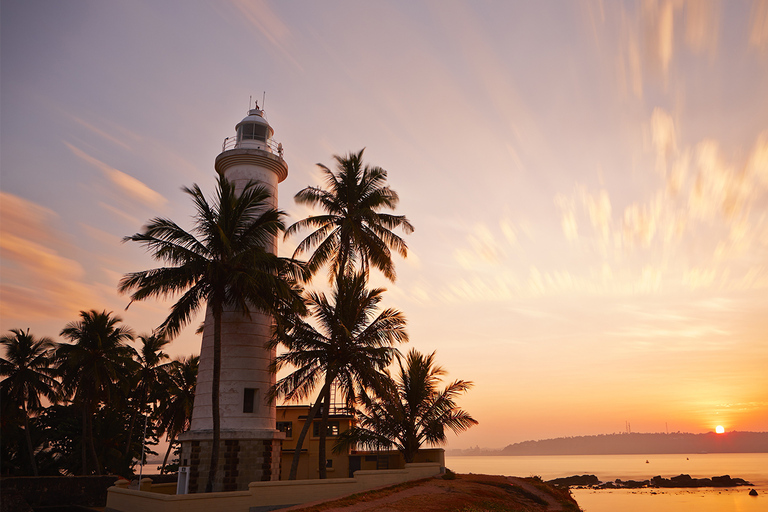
x: 680, y: 481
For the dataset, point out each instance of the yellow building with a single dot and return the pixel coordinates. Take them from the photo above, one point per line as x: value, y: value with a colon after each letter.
x: 290, y: 421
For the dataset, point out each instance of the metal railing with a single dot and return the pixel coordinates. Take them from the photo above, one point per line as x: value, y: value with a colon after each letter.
x: 274, y: 147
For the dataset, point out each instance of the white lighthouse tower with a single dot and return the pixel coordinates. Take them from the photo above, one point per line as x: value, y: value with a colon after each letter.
x: 250, y: 447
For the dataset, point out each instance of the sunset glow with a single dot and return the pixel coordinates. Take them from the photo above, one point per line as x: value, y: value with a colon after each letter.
x: 588, y: 182
x: 719, y: 429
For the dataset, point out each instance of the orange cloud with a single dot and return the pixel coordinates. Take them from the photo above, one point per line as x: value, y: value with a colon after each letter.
x: 125, y: 183
x: 38, y: 282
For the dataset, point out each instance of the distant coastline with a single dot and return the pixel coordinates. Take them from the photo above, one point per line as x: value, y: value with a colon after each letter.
x: 632, y: 443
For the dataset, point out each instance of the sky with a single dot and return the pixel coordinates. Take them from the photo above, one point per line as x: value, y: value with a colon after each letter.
x: 588, y: 181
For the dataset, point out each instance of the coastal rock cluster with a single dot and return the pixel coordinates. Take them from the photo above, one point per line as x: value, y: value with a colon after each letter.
x: 680, y: 481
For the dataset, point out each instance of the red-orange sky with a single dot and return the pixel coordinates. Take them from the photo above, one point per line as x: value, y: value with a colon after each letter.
x: 588, y: 181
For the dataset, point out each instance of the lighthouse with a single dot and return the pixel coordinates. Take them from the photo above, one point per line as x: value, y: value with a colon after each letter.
x: 250, y: 448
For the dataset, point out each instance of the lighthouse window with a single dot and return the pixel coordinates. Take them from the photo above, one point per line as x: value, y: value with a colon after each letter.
x: 253, y: 132
x: 249, y: 399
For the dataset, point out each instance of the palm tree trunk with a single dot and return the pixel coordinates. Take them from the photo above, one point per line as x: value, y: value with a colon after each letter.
x: 303, y: 434
x: 217, y: 310
x: 130, y: 433
x: 324, y: 433
x: 84, y: 442
x: 167, y: 453
x: 29, y: 443
x: 93, y: 445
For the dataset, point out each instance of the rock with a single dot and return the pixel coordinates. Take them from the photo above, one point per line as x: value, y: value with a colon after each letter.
x: 575, y: 480
x: 752, y: 492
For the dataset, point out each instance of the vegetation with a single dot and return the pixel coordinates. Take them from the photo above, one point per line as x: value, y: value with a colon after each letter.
x: 411, y: 413
x: 351, y: 236
x: 28, y: 376
x: 353, y: 233
x: 94, y: 369
x: 68, y: 408
x: 350, y: 348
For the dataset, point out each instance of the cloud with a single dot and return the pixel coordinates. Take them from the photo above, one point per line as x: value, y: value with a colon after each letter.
x: 261, y: 15
x: 758, y: 160
x: 38, y: 282
x: 641, y: 222
x: 758, y: 32
x: 658, y: 32
x: 702, y: 24
x: 100, y: 133
x: 599, y: 208
x: 567, y: 206
x: 663, y: 138
x: 125, y: 183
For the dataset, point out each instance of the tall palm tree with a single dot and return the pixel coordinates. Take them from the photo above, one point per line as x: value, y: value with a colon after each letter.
x: 174, y: 411
x: 353, y: 233
x: 29, y: 374
x: 350, y: 348
x: 222, y: 261
x: 413, y: 412
x: 95, y: 367
x: 150, y: 359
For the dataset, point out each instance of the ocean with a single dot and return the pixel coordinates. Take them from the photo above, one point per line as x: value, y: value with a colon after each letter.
x: 752, y: 467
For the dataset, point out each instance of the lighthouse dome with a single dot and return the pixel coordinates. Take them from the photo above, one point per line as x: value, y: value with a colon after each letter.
x: 254, y: 127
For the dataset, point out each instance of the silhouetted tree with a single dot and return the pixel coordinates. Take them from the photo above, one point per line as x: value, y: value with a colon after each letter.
x: 411, y: 413
x: 346, y: 343
x: 95, y: 368
x: 353, y: 233
x: 27, y: 368
x: 174, y: 411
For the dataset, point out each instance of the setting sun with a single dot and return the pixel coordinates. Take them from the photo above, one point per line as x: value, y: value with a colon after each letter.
x: 719, y: 429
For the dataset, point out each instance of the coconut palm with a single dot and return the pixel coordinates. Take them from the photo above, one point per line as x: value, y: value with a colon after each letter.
x: 95, y: 368
x: 349, y: 348
x: 353, y: 233
x: 412, y: 413
x: 29, y: 374
x: 174, y: 411
x: 222, y: 261
x: 147, y: 379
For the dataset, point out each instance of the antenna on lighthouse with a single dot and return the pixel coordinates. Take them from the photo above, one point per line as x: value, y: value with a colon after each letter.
x: 250, y: 100
x: 263, y: 99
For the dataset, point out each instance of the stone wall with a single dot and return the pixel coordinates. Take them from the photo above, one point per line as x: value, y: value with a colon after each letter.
x: 241, y: 461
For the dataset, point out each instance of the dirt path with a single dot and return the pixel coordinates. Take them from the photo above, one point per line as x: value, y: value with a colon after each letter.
x: 552, y: 504
x: 437, y: 495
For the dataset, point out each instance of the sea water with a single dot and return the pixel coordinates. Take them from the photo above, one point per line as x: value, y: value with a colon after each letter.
x: 752, y: 467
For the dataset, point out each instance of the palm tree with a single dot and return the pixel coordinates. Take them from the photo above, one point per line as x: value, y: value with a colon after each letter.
x: 174, y: 411
x: 349, y: 348
x: 411, y: 413
x: 95, y: 367
x: 352, y: 231
x: 223, y: 261
x: 147, y: 379
x: 29, y: 374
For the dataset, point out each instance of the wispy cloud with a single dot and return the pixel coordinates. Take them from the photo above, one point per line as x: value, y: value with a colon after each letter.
x: 758, y: 31
x: 38, y: 281
x: 269, y: 24
x: 126, y: 183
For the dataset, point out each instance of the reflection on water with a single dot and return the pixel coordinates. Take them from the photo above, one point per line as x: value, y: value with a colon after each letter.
x: 749, y: 466
x: 671, y: 500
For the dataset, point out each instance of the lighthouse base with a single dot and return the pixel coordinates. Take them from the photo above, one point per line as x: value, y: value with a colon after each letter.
x: 244, y: 457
